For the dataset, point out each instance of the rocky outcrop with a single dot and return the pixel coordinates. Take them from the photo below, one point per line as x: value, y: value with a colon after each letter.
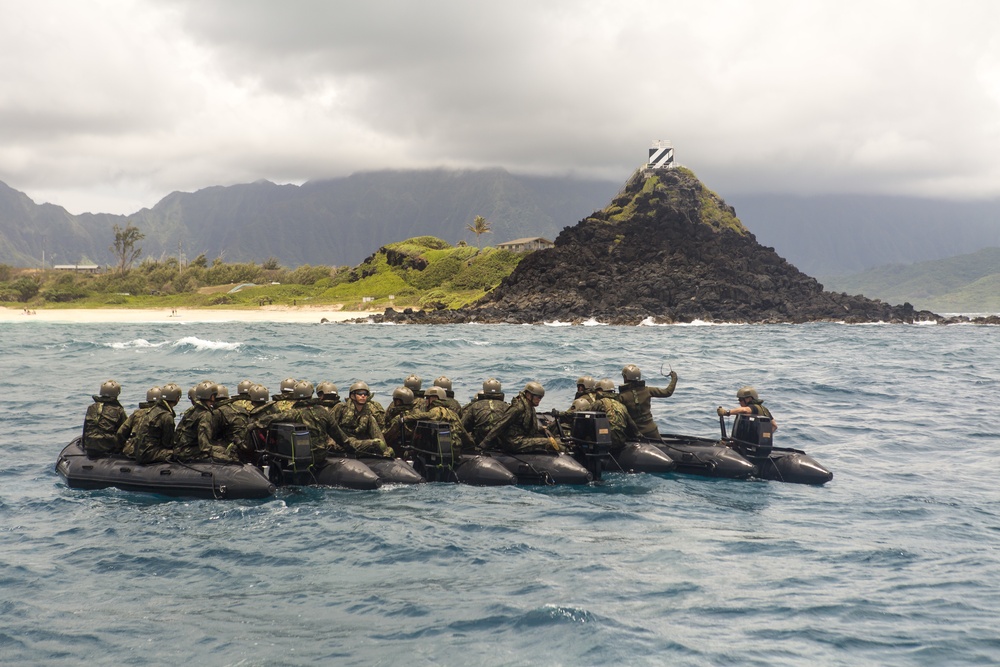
x: 670, y: 250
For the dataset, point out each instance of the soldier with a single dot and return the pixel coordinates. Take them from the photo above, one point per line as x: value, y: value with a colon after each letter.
x: 586, y: 387
x: 750, y: 404
x: 635, y: 396
x: 402, y: 404
x: 242, y: 399
x: 155, y: 436
x: 518, y: 430
x: 327, y: 394
x: 438, y: 410
x: 132, y: 423
x: 623, y: 427
x: 413, y: 383
x: 359, y: 424
x: 101, y: 423
x: 445, y: 383
x: 196, y: 435
x: 283, y: 399
x: 483, y: 413
x: 233, y: 421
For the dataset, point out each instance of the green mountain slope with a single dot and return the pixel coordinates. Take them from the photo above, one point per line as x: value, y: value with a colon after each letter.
x: 964, y: 283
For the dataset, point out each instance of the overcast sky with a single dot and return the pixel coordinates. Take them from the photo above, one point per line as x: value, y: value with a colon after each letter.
x: 109, y: 105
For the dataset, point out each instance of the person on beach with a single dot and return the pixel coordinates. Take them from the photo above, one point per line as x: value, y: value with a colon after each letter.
x: 101, y: 423
x: 635, y: 396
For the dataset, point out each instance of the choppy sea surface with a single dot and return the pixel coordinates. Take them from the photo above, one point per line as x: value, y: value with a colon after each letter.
x: 894, y: 562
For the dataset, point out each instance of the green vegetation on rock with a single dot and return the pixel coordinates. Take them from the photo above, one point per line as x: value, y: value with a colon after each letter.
x: 423, y: 272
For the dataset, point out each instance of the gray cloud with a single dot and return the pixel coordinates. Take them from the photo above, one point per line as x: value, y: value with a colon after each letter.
x: 114, y: 105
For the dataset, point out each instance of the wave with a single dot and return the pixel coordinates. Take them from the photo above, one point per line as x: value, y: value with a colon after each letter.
x: 200, y: 344
x: 135, y: 344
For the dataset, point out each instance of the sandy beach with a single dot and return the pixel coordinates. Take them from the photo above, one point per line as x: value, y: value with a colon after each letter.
x: 97, y: 315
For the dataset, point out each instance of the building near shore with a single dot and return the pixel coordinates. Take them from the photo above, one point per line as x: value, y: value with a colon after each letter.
x: 530, y: 244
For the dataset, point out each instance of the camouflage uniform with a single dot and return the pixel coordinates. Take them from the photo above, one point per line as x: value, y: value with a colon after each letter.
x: 361, y: 428
x: 100, y: 427
x: 196, y: 435
x: 518, y: 431
x: 325, y: 435
x: 394, y: 432
x: 440, y: 412
x: 154, y: 438
x: 234, y: 422
x: 131, y: 426
x: 635, y: 396
x: 623, y: 427
x: 377, y: 411
x: 482, y: 414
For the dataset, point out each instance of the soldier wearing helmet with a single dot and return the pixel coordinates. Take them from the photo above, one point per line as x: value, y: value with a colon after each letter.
x: 750, y: 404
x: 635, y: 396
x: 482, y: 414
x: 623, y: 427
x: 155, y: 436
x: 437, y: 410
x: 586, y: 387
x: 198, y: 436
x: 233, y: 421
x: 518, y: 430
x: 327, y: 394
x: 356, y: 420
x: 402, y: 404
x: 445, y: 383
x: 101, y: 423
x: 132, y: 422
x: 283, y: 399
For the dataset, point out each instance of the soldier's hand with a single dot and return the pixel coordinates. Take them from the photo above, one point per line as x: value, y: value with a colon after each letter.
x: 721, y: 411
x: 556, y: 447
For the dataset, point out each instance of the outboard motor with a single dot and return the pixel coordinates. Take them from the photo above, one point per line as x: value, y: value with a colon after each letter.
x: 432, y: 452
x: 285, y: 453
x: 753, y: 434
x: 591, y: 435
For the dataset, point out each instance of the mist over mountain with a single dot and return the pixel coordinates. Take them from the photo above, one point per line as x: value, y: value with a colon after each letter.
x: 334, y: 222
x: 342, y: 221
x: 834, y: 235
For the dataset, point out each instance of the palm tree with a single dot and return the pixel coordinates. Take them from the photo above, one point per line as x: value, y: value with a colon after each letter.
x: 479, y: 226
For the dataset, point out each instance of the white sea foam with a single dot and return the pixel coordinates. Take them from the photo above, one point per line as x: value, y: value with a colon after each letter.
x: 136, y: 344
x: 592, y: 322
x: 201, y: 344
x: 557, y: 323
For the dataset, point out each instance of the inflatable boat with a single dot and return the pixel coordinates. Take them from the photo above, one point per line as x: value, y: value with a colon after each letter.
x: 431, y: 452
x: 228, y: 481
x: 752, y: 437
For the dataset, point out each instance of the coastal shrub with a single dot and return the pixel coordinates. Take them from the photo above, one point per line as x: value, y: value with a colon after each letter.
x: 308, y: 275
x: 436, y: 273
x: 227, y: 274
x: 22, y: 289
x: 487, y: 271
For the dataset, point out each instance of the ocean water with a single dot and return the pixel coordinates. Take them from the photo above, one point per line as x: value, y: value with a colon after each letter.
x: 894, y: 562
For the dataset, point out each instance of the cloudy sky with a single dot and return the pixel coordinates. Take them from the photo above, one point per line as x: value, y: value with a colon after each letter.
x: 109, y: 105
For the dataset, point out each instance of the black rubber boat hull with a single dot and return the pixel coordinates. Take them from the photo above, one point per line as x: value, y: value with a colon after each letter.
x: 348, y: 474
x: 227, y: 481
x: 790, y: 465
x: 640, y: 457
x: 701, y: 456
x: 393, y: 471
x: 483, y: 471
x: 544, y: 468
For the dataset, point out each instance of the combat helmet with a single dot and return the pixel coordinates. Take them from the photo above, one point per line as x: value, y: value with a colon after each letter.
x: 606, y: 384
x: 436, y: 392
x: 534, y: 389
x: 327, y: 388
x: 413, y: 383
x: 491, y: 386
x: 287, y: 385
x: 259, y: 394
x: 588, y: 382
x: 359, y: 386
x: 221, y: 391
x: 302, y: 389
x: 243, y: 388
x: 404, y: 394
x: 747, y: 392
x: 631, y: 373
x: 443, y: 382
x: 581, y: 405
x: 111, y: 389
x: 205, y: 389
x: 171, y: 392
x: 153, y: 394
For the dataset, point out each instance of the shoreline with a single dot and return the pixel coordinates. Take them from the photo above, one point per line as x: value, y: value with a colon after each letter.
x: 293, y: 314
